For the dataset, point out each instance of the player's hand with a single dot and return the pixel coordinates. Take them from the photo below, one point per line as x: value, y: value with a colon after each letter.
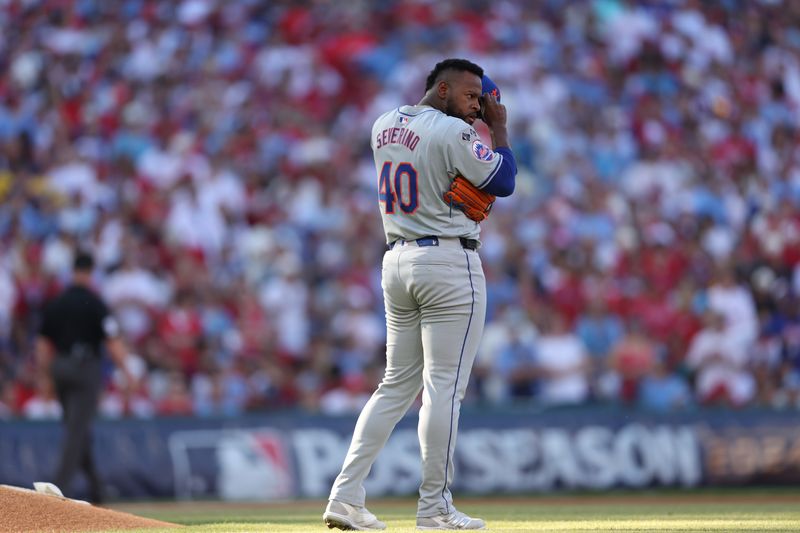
x: 492, y: 111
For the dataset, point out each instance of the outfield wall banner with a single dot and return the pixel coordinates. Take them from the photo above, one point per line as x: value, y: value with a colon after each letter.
x: 262, y: 458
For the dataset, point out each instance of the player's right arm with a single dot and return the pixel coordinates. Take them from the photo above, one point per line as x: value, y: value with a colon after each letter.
x: 495, y: 116
x: 111, y: 333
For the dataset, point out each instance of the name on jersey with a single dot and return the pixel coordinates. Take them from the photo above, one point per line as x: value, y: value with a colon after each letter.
x: 403, y: 136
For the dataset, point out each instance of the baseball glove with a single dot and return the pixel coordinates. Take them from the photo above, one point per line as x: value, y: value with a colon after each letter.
x: 474, y: 202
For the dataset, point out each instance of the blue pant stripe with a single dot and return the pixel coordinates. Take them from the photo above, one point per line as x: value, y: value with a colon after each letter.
x: 455, y: 387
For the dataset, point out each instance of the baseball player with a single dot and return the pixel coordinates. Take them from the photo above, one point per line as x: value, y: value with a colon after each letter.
x: 436, y: 181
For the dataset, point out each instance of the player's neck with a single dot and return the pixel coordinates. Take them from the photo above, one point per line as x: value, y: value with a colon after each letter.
x: 430, y: 102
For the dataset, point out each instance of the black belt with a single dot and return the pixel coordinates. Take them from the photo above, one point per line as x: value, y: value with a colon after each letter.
x: 469, y: 244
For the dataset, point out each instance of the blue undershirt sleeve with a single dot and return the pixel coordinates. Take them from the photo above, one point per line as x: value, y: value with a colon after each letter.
x: 503, y: 181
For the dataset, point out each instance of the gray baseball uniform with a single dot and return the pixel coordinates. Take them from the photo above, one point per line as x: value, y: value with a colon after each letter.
x: 434, y: 294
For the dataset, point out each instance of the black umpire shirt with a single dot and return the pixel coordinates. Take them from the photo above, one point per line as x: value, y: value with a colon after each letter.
x: 77, y: 322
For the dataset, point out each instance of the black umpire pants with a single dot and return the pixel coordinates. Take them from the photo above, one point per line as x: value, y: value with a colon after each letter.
x: 77, y: 385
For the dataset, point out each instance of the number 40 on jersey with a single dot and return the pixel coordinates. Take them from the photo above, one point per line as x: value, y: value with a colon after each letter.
x: 400, y: 188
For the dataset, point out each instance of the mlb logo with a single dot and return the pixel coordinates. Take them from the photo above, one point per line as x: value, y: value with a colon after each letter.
x: 254, y: 465
x: 482, y: 152
x: 402, y: 121
x: 234, y: 464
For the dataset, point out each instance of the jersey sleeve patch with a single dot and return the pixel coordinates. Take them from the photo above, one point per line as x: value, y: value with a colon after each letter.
x: 468, y: 135
x: 481, y: 151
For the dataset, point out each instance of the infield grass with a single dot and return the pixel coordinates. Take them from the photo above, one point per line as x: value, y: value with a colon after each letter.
x: 613, y: 512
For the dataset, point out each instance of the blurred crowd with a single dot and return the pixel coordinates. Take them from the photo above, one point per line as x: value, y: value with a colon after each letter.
x: 214, y: 156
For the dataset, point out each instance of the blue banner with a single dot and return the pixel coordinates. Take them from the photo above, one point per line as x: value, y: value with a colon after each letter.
x: 275, y: 457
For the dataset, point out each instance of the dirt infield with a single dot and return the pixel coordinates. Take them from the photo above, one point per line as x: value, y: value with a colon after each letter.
x: 25, y: 511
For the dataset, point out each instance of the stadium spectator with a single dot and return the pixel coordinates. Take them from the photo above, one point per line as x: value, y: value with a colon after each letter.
x: 631, y: 359
x: 508, y: 345
x: 349, y: 397
x: 599, y: 330
x: 515, y: 366
x: 720, y: 363
x: 214, y: 161
x: 735, y: 303
x: 176, y: 400
x: 562, y: 363
x: 661, y: 389
x: 43, y: 405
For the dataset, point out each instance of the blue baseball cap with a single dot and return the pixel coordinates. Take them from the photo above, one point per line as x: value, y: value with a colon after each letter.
x: 488, y: 86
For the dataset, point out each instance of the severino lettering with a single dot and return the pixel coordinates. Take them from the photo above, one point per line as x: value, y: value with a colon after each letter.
x: 402, y: 136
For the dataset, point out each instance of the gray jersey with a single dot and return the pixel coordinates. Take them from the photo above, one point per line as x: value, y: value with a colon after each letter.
x: 418, y: 152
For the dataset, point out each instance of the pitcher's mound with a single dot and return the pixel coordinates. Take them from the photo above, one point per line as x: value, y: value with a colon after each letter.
x: 26, y: 511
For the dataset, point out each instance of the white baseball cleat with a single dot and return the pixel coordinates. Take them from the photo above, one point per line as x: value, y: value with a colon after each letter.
x: 350, y: 518
x: 454, y: 520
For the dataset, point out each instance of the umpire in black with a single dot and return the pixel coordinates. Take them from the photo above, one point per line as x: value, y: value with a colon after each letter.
x: 76, y: 326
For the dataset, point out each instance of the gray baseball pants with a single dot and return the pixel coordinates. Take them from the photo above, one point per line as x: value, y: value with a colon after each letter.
x: 435, y: 299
